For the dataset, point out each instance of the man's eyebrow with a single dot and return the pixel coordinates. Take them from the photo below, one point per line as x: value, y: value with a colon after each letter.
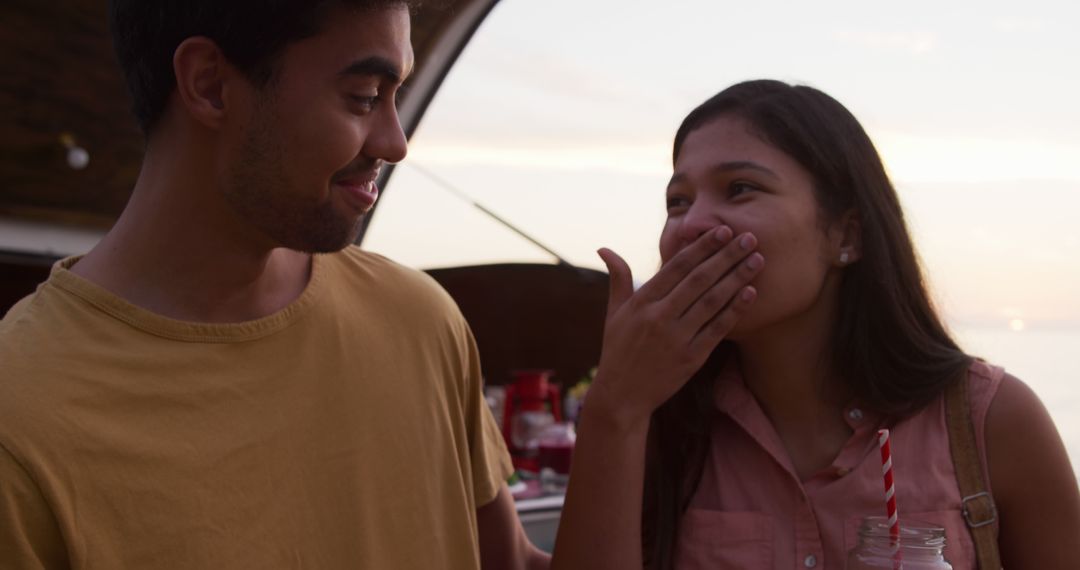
x: 373, y: 66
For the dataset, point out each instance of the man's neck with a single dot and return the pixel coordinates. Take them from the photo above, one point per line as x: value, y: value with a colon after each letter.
x: 180, y: 251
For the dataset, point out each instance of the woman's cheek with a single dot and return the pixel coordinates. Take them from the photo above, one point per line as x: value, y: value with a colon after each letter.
x: 667, y: 243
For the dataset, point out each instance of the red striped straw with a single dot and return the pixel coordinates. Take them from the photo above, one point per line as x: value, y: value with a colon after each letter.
x: 890, y: 496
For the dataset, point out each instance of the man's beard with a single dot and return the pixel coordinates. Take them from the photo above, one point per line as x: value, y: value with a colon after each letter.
x: 258, y: 191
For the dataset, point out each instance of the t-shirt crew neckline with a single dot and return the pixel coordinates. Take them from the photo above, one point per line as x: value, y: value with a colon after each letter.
x: 187, y: 331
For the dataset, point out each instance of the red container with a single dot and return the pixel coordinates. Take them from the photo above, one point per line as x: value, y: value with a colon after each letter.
x: 556, y: 456
x: 532, y: 403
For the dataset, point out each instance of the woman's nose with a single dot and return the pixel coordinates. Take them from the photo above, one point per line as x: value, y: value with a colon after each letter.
x: 699, y: 219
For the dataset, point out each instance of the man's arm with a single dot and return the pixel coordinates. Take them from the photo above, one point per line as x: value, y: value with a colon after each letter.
x: 503, y: 544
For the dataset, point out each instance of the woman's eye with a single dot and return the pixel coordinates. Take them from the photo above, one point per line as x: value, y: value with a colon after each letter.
x: 740, y: 188
x: 675, y: 203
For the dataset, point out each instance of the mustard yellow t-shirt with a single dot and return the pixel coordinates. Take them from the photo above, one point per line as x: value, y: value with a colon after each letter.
x: 346, y: 431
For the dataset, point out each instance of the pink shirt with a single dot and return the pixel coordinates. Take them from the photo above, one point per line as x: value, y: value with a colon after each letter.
x: 752, y: 511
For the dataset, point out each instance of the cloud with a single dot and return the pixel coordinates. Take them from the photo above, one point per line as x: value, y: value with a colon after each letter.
x: 1014, y: 25
x: 911, y: 42
x: 627, y: 158
x: 913, y: 158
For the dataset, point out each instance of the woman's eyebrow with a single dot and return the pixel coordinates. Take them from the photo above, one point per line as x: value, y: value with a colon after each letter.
x: 744, y: 165
x: 725, y: 167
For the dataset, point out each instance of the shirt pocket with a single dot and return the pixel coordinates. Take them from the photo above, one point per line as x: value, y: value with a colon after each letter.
x: 959, y: 549
x: 717, y: 540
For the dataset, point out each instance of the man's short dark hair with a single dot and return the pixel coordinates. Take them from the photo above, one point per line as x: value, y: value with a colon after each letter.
x: 250, y: 33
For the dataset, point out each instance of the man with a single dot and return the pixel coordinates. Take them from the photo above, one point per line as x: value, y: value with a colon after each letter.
x: 223, y: 381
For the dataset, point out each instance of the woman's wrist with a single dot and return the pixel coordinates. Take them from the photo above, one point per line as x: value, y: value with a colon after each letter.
x: 606, y: 410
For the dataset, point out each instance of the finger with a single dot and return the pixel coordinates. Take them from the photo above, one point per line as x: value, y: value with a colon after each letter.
x: 620, y: 279
x: 718, y: 328
x: 706, y: 307
x: 678, y: 267
x: 708, y: 273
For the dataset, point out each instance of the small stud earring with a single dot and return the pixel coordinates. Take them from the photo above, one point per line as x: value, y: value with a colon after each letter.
x: 843, y: 258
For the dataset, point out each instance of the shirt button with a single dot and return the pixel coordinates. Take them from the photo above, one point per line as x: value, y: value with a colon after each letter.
x: 855, y: 414
x: 810, y: 561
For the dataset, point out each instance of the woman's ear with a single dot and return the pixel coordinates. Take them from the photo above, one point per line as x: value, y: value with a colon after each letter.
x: 201, y: 74
x: 847, y: 239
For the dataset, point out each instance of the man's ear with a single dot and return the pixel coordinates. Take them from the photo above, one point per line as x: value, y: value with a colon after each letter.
x: 847, y: 238
x: 202, y: 78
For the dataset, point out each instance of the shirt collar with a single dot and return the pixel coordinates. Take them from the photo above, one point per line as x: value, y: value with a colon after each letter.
x: 734, y: 399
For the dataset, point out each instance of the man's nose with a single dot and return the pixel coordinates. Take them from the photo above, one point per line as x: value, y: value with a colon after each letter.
x: 386, y: 141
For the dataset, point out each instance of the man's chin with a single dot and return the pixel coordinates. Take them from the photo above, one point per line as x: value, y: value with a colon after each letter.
x: 323, y: 239
x: 326, y: 246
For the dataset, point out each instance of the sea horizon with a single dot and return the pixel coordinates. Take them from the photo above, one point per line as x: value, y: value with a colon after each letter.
x: 1044, y: 357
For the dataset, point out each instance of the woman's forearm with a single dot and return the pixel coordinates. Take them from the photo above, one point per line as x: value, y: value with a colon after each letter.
x: 600, y: 526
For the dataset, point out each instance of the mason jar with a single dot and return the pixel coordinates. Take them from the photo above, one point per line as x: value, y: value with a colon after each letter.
x: 921, y: 546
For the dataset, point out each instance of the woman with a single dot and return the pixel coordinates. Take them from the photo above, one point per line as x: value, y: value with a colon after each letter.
x: 740, y: 389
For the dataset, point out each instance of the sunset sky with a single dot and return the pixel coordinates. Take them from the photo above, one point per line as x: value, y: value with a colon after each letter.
x: 560, y: 113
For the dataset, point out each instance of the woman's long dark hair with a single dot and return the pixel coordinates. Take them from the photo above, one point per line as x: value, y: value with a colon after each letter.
x: 888, y: 345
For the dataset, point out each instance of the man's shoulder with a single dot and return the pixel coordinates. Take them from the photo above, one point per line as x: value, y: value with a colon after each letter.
x: 48, y: 310
x: 27, y: 352
x: 354, y: 256
x: 20, y: 330
x: 44, y: 338
x: 387, y: 277
x: 16, y: 313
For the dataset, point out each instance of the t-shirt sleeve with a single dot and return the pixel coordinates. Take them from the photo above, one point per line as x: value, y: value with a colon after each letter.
x: 29, y: 534
x: 491, y: 465
x: 491, y: 460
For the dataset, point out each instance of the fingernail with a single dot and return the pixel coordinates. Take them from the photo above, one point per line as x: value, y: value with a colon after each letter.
x: 747, y: 241
x: 723, y: 234
x: 747, y: 294
x: 755, y: 261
